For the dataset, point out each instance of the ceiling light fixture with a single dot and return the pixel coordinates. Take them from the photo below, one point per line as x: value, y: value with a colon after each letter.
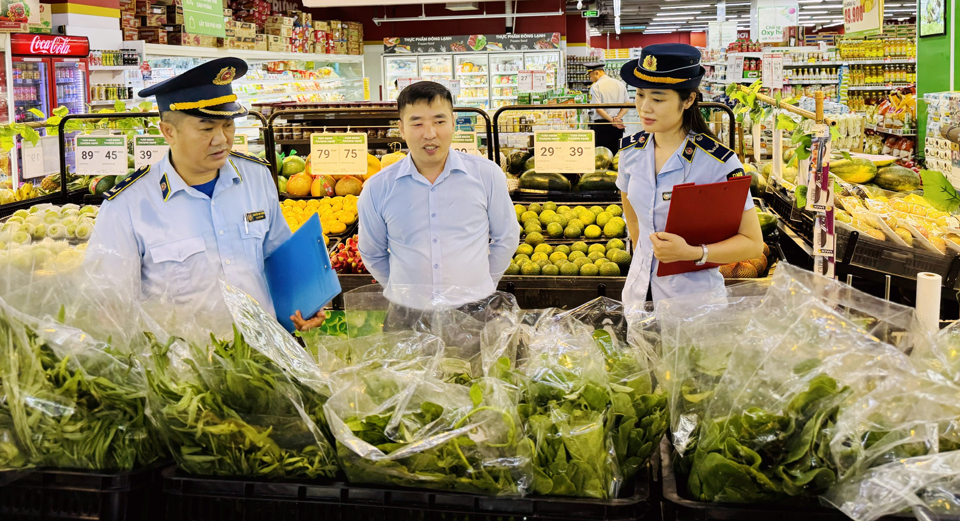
x: 697, y: 6
x: 662, y: 18
x: 579, y: 4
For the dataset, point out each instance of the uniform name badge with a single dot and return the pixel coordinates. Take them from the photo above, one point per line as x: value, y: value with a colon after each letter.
x: 256, y: 216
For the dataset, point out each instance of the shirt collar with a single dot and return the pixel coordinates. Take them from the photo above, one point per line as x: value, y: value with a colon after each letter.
x: 453, y: 165
x: 171, y: 182
x: 676, y: 160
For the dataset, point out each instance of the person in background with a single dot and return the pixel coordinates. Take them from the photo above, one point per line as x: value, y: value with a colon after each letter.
x: 675, y: 147
x: 203, y: 212
x: 607, y: 128
x: 439, y: 223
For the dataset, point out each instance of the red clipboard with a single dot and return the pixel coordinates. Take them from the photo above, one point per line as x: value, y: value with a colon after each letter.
x: 704, y: 214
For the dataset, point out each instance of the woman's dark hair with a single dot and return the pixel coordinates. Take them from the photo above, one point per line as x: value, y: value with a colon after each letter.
x: 428, y: 91
x: 692, y: 117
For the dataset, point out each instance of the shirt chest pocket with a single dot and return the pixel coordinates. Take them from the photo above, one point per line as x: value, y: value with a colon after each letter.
x: 252, y: 236
x: 176, y: 261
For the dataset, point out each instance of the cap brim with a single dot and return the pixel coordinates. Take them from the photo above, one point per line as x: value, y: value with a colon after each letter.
x: 230, y: 110
x: 627, y: 75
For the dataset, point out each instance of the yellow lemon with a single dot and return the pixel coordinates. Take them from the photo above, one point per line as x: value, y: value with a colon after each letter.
x: 301, y: 203
x: 337, y: 227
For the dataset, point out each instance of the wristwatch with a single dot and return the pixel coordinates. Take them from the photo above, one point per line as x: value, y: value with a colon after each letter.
x: 703, y: 260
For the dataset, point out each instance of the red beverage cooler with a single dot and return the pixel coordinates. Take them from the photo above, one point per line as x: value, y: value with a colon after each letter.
x: 48, y: 72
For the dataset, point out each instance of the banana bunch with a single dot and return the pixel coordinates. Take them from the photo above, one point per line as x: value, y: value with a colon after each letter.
x: 27, y: 191
x: 868, y: 5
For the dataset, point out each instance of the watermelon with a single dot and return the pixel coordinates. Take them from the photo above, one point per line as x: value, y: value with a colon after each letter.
x: 599, y: 181
x: 897, y: 179
x: 758, y: 185
x: 529, y: 164
x: 533, y: 180
x: 604, y: 158
x: 100, y: 185
x: 855, y: 170
x: 517, y: 160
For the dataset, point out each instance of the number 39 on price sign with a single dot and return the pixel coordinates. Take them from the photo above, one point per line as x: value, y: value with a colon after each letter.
x: 148, y: 150
x: 101, y: 155
x: 338, y: 154
x: 570, y: 152
x: 465, y: 142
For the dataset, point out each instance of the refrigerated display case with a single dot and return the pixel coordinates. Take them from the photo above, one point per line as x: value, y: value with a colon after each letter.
x: 435, y: 68
x: 543, y: 61
x: 503, y: 78
x: 473, y: 71
x: 31, y: 89
x: 70, y: 75
x: 396, y: 67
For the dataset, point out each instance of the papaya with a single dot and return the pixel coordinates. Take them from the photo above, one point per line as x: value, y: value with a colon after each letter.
x: 855, y: 170
x: 896, y: 179
x: 533, y: 180
x: 599, y: 181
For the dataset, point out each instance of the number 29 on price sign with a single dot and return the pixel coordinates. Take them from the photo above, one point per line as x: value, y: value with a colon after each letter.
x: 567, y: 152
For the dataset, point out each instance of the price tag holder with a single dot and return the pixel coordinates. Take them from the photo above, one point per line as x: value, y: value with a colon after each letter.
x: 772, y: 71
x: 466, y: 142
x: 525, y: 81
x: 452, y: 85
x: 338, y: 154
x: 570, y: 152
x: 539, y: 81
x: 148, y: 150
x: 32, y: 156
x: 240, y: 144
x: 101, y: 155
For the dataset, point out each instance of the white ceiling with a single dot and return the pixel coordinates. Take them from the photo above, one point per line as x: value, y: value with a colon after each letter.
x: 652, y: 16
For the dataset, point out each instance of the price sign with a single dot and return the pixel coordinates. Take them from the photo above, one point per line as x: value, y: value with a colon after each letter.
x: 735, y: 67
x: 403, y: 83
x: 465, y: 142
x: 772, y: 70
x: 570, y: 152
x: 240, y: 144
x: 148, y: 150
x: 339, y: 154
x: 104, y: 155
x: 452, y: 85
x: 532, y: 81
x: 862, y: 18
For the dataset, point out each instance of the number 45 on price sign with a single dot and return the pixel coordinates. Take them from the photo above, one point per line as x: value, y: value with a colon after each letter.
x: 101, y: 155
x: 570, y: 152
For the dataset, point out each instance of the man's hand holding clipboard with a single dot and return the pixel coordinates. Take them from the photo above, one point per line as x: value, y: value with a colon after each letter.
x: 700, y: 214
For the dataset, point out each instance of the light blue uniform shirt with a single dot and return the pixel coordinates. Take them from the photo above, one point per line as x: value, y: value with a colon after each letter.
x: 186, y: 242
x: 700, y: 160
x: 454, y: 236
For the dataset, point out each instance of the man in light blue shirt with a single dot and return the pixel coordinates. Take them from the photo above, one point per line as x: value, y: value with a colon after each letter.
x: 438, y: 225
x: 201, y: 214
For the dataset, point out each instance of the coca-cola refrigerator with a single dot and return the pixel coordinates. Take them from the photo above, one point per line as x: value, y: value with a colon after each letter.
x: 48, y: 72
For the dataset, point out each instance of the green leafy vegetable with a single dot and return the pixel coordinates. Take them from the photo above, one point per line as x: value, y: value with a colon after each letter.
x: 939, y: 192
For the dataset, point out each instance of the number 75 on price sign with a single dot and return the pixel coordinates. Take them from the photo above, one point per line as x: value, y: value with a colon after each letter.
x: 567, y: 152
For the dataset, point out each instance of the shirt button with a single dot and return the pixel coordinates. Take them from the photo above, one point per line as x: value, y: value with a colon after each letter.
x: 433, y: 215
x: 434, y: 189
x: 213, y: 203
x: 436, y: 266
x: 434, y: 240
x: 228, y: 262
x: 221, y: 232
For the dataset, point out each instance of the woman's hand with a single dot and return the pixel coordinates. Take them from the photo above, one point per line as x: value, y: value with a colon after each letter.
x: 303, y: 324
x: 668, y: 247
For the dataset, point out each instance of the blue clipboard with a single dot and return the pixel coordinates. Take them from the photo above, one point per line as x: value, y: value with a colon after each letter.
x: 300, y: 274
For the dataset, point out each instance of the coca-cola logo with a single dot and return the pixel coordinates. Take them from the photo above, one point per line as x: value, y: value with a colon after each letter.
x: 56, y: 45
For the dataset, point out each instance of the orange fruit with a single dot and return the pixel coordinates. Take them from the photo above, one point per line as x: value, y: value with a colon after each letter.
x: 299, y: 186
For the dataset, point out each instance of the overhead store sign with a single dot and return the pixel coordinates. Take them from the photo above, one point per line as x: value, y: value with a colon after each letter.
x: 203, y: 17
x: 473, y: 43
x: 48, y: 45
x: 15, y: 15
x: 862, y: 17
x: 773, y: 21
x: 590, y: 14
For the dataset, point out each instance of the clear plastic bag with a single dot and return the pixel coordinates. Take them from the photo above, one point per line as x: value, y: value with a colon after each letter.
x: 929, y: 485
x: 592, y: 415
x: 229, y: 407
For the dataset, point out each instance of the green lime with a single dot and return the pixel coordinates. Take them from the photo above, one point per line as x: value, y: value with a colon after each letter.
x: 579, y: 246
x: 525, y: 249
x: 597, y: 210
x: 569, y: 269
x: 589, y: 270
x: 574, y: 255
x: 610, y: 269
x: 587, y: 217
x: 615, y: 244
x: 582, y: 261
x: 543, y: 248
x: 550, y: 270
x: 592, y: 232
x: 563, y: 248
x: 534, y: 238
x: 555, y: 230
x: 562, y: 209
x: 547, y: 217
x: 615, y: 210
x: 550, y: 205
x: 535, y: 208
x: 555, y: 256
x: 603, y: 218
x: 512, y: 269
x: 520, y: 259
x: 594, y: 255
x: 572, y: 232
x: 538, y: 256
x: 597, y: 247
x: 530, y: 268
x: 622, y: 258
x: 528, y: 216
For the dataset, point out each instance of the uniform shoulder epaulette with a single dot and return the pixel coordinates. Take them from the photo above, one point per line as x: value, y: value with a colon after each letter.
x: 718, y: 150
x: 638, y: 140
x: 255, y: 159
x: 127, y: 181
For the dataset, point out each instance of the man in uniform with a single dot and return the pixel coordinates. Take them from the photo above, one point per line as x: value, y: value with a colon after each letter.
x: 607, y: 129
x: 201, y: 213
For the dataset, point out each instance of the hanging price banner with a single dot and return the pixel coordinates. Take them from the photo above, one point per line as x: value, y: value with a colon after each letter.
x: 148, y: 150
x: 465, y: 142
x: 101, y: 155
x: 771, y: 68
x: 240, y: 144
x: 339, y: 154
x: 569, y: 152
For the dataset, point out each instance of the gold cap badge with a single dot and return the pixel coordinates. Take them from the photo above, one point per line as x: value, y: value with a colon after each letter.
x: 226, y: 75
x: 650, y: 63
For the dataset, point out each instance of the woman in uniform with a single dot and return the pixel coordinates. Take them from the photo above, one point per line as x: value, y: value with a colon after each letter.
x: 675, y: 147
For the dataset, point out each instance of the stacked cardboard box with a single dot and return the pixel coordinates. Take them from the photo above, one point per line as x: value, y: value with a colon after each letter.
x: 153, y: 35
x: 129, y: 22
x: 354, y: 37
x: 253, y: 11
x: 320, y: 37
x: 277, y: 43
x: 238, y: 35
x: 177, y: 36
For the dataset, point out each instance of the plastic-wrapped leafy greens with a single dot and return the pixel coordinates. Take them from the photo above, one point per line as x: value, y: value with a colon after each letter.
x: 227, y: 407
x: 929, y: 485
x: 589, y: 407
x: 74, y: 402
x: 767, y: 426
x: 402, y: 426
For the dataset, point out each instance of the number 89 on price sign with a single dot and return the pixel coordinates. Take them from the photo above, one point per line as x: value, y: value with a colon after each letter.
x: 567, y: 152
x: 98, y: 155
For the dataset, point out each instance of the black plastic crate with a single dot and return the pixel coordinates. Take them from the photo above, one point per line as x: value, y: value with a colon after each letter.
x: 782, y: 205
x: 220, y: 499
x: 888, y: 257
x: 47, y: 494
